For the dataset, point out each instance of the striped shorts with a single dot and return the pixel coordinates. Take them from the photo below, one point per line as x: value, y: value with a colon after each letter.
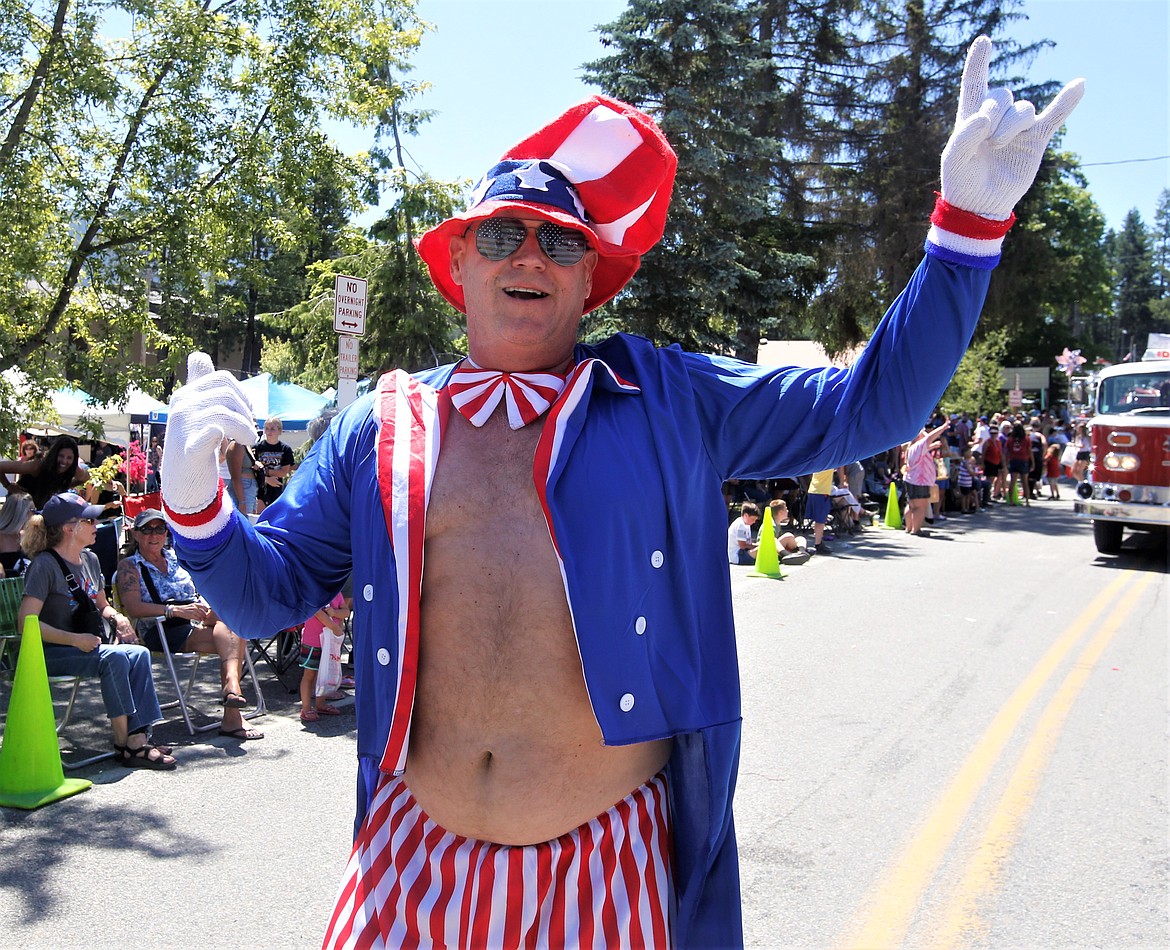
x: 410, y: 883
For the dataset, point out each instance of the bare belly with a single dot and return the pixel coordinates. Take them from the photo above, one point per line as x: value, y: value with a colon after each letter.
x: 504, y: 745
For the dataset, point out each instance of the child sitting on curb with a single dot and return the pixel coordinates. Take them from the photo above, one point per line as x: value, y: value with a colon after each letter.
x: 331, y: 617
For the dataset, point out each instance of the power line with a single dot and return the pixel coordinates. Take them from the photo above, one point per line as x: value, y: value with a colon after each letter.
x: 1125, y: 161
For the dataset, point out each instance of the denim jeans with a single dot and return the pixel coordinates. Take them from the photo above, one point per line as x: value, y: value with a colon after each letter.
x: 127, y: 681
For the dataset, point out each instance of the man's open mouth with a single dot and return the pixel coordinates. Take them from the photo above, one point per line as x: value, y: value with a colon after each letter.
x: 524, y: 293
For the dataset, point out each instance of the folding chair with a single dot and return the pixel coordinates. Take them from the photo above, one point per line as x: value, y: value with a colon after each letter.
x: 281, y: 651
x: 11, y: 594
x: 184, y: 692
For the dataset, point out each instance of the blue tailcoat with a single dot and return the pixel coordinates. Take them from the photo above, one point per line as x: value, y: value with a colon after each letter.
x: 635, y: 507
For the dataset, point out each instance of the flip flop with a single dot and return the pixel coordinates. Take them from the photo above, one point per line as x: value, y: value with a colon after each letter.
x: 234, y: 700
x: 243, y: 733
x: 325, y: 709
x: 309, y: 715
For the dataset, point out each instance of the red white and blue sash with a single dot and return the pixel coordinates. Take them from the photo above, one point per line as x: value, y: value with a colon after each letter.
x: 411, y: 416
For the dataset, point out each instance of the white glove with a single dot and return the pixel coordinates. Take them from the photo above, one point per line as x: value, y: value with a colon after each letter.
x: 996, y: 147
x: 205, y: 411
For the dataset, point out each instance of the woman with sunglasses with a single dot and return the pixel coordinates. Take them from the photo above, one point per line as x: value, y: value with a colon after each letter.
x: 63, y: 587
x: 152, y: 584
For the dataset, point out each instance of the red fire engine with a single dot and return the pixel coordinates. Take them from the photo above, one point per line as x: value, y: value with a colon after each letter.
x: 1128, y: 481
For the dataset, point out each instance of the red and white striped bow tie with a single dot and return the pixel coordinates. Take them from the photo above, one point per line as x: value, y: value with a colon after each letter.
x: 476, y: 392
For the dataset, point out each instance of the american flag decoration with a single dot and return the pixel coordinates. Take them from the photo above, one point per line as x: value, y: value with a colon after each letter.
x: 602, y: 167
x: 619, y: 161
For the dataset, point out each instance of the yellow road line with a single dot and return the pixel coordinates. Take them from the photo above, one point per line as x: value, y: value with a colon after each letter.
x: 886, y: 916
x: 982, y: 876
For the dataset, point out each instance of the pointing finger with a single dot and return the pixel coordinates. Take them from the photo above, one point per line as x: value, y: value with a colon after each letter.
x: 973, y: 89
x: 1059, y: 108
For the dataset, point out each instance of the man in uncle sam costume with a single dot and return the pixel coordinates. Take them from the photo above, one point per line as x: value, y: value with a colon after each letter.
x: 547, y: 691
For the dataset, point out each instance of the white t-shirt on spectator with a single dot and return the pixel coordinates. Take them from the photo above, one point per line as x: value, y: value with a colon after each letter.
x: 736, y: 533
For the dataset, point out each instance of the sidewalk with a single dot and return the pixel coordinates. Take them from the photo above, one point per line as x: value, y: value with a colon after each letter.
x: 241, y: 846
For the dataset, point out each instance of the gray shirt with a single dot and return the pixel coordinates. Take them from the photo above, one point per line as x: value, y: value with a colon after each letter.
x: 44, y: 581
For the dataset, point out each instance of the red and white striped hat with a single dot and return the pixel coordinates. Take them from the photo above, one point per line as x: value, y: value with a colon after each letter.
x: 603, y: 167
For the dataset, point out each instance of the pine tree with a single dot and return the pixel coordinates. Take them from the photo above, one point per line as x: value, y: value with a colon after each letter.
x: 1134, y: 285
x: 732, y: 261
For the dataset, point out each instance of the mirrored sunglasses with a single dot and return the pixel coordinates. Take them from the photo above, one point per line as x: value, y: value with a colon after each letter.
x: 153, y: 529
x: 496, y: 238
x: 83, y: 521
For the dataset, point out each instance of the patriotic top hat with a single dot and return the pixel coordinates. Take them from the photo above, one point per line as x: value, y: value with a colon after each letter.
x: 602, y: 167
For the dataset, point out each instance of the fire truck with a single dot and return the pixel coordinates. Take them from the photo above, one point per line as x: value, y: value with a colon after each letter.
x: 1128, y: 481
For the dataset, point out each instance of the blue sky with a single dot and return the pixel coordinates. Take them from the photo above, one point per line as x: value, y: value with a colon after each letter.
x: 1121, y: 47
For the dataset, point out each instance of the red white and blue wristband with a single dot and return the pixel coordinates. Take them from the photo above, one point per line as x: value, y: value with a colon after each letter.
x: 203, y: 528
x: 963, y: 237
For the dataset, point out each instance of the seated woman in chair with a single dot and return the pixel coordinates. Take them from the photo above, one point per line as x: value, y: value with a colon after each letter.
x: 63, y: 587
x: 153, y: 585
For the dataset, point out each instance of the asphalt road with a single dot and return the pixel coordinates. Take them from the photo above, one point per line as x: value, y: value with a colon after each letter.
x: 957, y: 740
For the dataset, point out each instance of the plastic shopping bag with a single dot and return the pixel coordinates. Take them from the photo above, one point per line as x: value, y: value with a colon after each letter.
x: 329, y: 671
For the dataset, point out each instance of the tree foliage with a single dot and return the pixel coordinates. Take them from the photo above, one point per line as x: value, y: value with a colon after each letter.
x: 808, y: 136
x: 732, y: 259
x: 408, y: 324
x: 156, y: 144
x: 1135, y: 285
x: 1052, y: 288
x: 977, y: 383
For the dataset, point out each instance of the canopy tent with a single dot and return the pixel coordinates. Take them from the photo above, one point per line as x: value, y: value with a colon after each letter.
x: 71, y: 404
x: 293, y: 405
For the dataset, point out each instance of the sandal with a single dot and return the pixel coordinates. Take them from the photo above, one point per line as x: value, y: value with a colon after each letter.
x: 234, y: 700
x: 142, y: 758
x: 244, y: 734
x: 309, y: 715
x: 324, y: 709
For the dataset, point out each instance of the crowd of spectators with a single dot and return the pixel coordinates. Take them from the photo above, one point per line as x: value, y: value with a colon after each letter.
x: 154, y: 596
x: 958, y: 465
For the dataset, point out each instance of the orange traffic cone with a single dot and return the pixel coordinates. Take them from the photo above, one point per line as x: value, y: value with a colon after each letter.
x: 893, y: 517
x: 30, y: 760
x: 767, y: 560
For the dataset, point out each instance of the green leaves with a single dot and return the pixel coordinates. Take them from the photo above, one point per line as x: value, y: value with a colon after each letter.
x: 147, y: 143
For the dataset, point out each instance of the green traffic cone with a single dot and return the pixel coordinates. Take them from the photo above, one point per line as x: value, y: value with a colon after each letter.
x: 893, y: 517
x: 767, y: 560
x: 31, y: 774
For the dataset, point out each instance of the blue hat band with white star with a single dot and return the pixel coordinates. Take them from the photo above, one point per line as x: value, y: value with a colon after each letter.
x: 531, y: 181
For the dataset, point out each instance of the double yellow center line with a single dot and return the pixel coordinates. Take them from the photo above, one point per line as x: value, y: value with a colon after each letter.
x: 894, y: 901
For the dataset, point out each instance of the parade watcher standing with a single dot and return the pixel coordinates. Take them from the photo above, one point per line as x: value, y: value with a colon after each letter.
x: 1018, y: 452
x: 274, y: 461
x: 580, y: 642
x: 920, y: 477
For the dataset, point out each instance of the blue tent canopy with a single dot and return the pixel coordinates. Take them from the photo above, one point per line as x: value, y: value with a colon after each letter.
x: 293, y: 405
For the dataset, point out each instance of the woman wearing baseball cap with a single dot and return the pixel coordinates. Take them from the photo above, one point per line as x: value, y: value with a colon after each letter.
x: 63, y: 587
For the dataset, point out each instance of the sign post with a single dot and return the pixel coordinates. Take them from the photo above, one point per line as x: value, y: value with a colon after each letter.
x: 349, y: 321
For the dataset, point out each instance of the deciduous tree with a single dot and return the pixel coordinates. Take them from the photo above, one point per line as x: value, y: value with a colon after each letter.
x: 151, y: 142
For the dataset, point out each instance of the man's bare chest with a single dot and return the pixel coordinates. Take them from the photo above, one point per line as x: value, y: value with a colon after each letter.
x: 484, y: 482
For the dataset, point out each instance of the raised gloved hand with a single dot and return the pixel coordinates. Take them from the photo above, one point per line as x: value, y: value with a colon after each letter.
x: 995, y: 150
x: 202, y: 413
